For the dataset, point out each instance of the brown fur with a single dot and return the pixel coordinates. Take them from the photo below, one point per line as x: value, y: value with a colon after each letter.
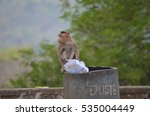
x: 67, y: 48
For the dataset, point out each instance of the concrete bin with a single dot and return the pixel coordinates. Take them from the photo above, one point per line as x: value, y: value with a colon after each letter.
x: 98, y: 83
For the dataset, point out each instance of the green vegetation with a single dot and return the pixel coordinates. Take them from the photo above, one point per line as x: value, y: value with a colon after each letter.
x: 11, y: 54
x: 45, y: 68
x: 115, y: 33
x: 108, y: 32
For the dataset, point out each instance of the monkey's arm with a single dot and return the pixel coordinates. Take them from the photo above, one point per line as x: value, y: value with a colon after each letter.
x: 64, y: 55
x: 74, y: 53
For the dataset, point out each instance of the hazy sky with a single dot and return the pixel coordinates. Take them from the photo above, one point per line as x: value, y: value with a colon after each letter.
x: 27, y: 22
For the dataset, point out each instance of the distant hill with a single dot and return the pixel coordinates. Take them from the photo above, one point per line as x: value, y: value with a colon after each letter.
x: 27, y: 22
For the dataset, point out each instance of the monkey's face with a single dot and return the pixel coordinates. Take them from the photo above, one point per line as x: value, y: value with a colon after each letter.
x: 63, y: 37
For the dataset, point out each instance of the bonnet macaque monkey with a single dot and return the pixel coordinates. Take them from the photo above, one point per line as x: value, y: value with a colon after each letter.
x: 67, y: 48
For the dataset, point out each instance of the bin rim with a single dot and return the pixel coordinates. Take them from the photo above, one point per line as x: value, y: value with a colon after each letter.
x: 93, y: 69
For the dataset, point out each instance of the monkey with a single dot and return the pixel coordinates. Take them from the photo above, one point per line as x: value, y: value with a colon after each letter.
x: 67, y: 48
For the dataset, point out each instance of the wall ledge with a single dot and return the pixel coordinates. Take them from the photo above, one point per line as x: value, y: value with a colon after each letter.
x: 126, y: 92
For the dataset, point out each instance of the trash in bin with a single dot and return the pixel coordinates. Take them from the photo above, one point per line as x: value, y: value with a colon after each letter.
x: 75, y: 66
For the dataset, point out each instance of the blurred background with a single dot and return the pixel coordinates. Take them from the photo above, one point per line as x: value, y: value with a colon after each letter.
x: 108, y: 33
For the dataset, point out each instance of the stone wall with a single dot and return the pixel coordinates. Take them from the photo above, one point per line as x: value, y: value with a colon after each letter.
x: 135, y: 92
x: 126, y: 92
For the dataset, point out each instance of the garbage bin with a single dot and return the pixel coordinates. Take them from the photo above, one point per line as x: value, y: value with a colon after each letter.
x: 98, y: 83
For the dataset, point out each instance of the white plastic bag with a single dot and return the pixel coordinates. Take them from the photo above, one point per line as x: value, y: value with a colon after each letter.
x: 75, y: 66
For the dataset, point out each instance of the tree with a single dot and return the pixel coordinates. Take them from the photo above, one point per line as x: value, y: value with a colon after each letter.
x: 43, y: 68
x: 114, y: 33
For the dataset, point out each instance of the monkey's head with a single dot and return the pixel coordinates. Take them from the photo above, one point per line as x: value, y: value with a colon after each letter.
x: 64, y: 37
